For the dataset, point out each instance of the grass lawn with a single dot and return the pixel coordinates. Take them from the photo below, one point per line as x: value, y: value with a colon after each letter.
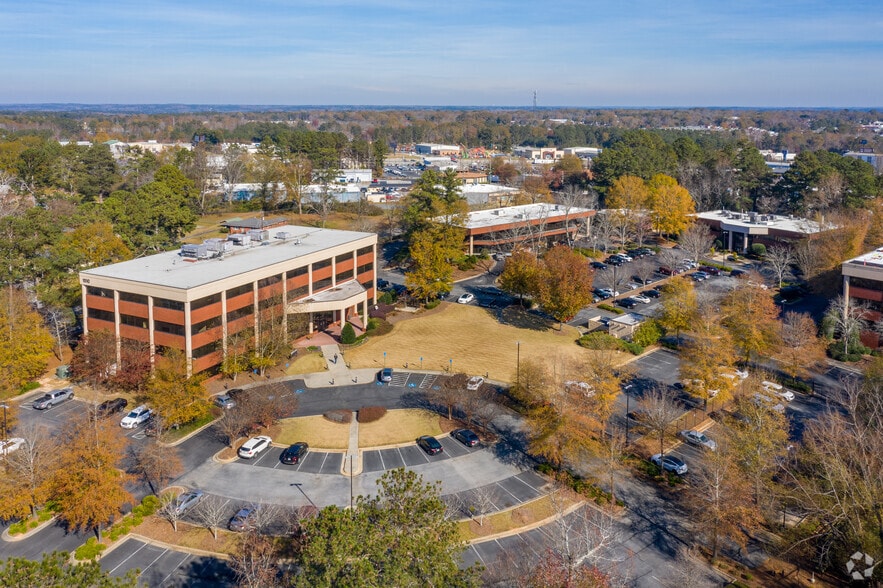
x: 173, y: 435
x: 188, y: 536
x: 473, y: 338
x: 516, y: 518
x: 316, y: 430
x: 306, y: 363
x: 399, y: 426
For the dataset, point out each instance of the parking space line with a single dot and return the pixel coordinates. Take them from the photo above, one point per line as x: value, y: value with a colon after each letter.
x: 322, y: 465
x: 165, y: 551
x: 131, y: 555
x: 382, y: 465
x: 481, y: 559
x: 531, y: 486
x: 186, y: 557
x: 517, y: 500
x: 260, y: 457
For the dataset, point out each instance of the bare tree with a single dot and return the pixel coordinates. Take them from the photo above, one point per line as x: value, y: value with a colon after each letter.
x: 212, y: 513
x: 612, y: 456
x: 660, y: 412
x: 30, y: 468
x: 688, y: 570
x: 696, y: 240
x: 644, y: 269
x: 808, y: 258
x: 450, y: 393
x: 847, y: 320
x: 572, y: 197
x: 58, y: 320
x: 779, y: 258
x: 481, y: 407
x: 232, y: 424
x: 168, y: 509
x: 255, y: 562
x: 234, y: 168
x: 601, y: 230
x: 479, y: 503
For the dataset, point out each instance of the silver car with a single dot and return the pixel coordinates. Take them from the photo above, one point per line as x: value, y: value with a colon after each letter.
x: 52, y: 398
x: 187, y: 500
x: 700, y: 439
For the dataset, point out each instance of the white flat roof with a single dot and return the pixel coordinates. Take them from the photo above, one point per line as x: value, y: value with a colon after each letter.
x: 872, y: 258
x: 171, y: 270
x: 517, y: 214
x: 776, y: 221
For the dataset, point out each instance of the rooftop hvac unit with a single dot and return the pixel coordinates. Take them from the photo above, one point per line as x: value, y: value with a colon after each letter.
x: 217, y: 245
x: 283, y: 235
x: 195, y: 251
x: 259, y: 234
x: 240, y: 239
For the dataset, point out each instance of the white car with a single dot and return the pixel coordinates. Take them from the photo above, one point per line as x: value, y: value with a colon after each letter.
x: 761, y: 400
x: 474, y: 383
x: 700, y: 439
x: 641, y: 298
x: 10, y: 445
x: 254, y: 446
x: 135, y: 417
x: 466, y: 298
x: 785, y: 395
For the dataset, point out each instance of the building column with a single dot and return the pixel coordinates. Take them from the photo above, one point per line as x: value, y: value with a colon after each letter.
x: 729, y: 240
x: 312, y: 326
x: 188, y: 339
x: 365, y: 313
x: 83, y: 290
x: 116, y: 326
x: 225, y: 334
x: 150, y: 326
x: 471, y: 244
x: 744, y: 242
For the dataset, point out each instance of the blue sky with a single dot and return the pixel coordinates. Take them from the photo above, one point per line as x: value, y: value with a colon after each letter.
x: 426, y: 52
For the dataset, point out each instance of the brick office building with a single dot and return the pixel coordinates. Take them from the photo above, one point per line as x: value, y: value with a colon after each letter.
x: 197, y: 298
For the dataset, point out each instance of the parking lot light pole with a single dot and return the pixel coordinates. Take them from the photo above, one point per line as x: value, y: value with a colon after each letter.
x: 518, y: 363
x: 299, y: 487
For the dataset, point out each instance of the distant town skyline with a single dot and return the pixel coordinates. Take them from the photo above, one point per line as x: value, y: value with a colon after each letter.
x: 794, y: 53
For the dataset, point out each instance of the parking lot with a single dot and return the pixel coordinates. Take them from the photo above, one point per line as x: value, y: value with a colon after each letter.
x: 165, y: 567
x: 410, y: 455
x: 315, y: 462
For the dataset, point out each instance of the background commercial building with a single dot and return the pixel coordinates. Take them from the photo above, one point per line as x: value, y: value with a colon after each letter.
x: 863, y: 285
x: 501, y: 228
x: 198, y: 298
x: 737, y: 231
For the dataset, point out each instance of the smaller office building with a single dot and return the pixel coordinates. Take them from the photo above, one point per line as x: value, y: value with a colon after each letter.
x: 738, y: 231
x: 436, y: 149
x: 863, y: 284
x: 502, y: 228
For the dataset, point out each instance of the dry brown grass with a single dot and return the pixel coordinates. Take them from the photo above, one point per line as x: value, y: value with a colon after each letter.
x: 306, y: 363
x: 399, y: 426
x: 516, y: 518
x: 188, y: 536
x: 473, y: 337
x: 315, y: 430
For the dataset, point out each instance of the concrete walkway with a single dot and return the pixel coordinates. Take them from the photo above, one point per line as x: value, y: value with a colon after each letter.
x: 334, y: 362
x: 352, y: 459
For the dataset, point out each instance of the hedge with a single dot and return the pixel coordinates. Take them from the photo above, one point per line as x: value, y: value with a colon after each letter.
x: 369, y: 414
x: 611, y: 308
x: 339, y: 415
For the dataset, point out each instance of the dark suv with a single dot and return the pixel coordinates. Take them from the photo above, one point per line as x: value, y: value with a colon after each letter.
x: 429, y: 444
x: 294, y: 453
x: 110, y: 407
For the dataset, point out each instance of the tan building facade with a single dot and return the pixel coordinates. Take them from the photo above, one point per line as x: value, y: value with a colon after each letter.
x: 199, y: 298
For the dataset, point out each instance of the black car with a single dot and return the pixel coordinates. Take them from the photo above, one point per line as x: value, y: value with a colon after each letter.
x: 599, y: 265
x: 109, y: 407
x: 429, y: 444
x: 627, y: 302
x: 652, y: 293
x: 382, y: 284
x: 600, y: 293
x: 737, y: 273
x: 617, y: 261
x: 294, y: 453
x: 466, y: 437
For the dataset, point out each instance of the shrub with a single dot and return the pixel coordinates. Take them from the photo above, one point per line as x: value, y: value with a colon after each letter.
x: 373, y: 323
x: 611, y: 308
x: 150, y: 504
x: 89, y: 550
x: 856, y: 350
x: 466, y: 263
x: 381, y: 327
x: 18, y: 528
x: 387, y: 298
x: 632, y: 348
x: 347, y: 334
x: 339, y: 415
x: 598, y: 340
x: 432, y: 304
x: 758, y: 249
x: 647, y: 333
x: 796, y: 384
x: 28, y: 387
x: 369, y: 414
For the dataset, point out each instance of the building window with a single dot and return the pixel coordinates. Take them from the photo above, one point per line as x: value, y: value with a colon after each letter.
x: 171, y: 328
x: 343, y: 258
x: 263, y: 283
x: 321, y: 284
x: 101, y: 315
x: 365, y: 250
x: 102, y: 292
x: 239, y: 313
x: 366, y: 267
x: 205, y: 325
x: 136, y: 298
x: 202, y: 302
x: 344, y: 275
x: 206, y: 349
x: 166, y: 303
x: 133, y: 321
x: 321, y: 265
x: 300, y: 271
x: 271, y: 301
x: 298, y: 292
x: 243, y: 289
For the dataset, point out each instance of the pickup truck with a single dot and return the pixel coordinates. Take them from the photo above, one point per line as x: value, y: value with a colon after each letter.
x: 52, y: 398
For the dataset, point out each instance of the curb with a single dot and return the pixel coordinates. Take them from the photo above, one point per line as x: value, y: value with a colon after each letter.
x: 190, y: 434
x: 530, y: 527
x: 29, y: 533
x: 164, y: 545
